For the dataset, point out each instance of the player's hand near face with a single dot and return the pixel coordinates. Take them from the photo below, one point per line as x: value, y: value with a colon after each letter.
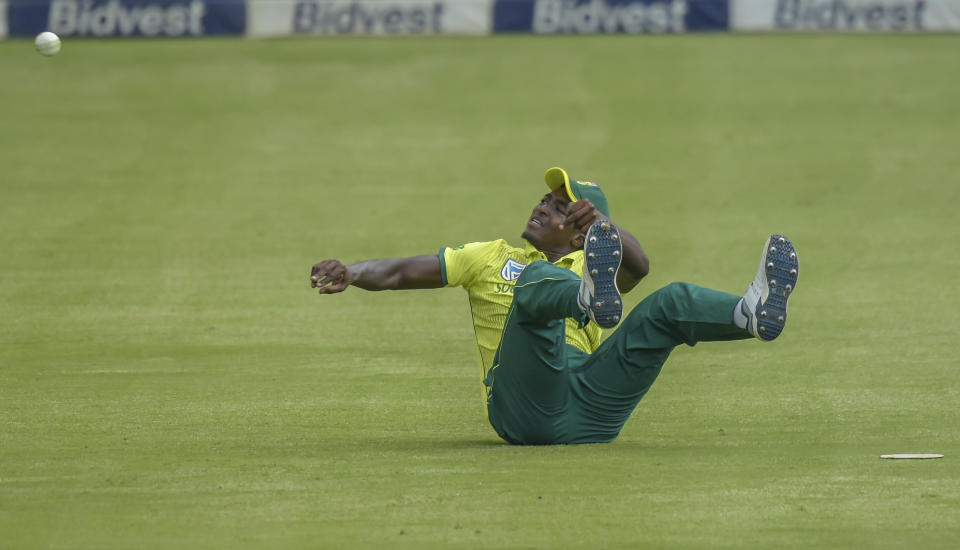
x: 582, y: 214
x: 330, y: 276
x: 635, y: 265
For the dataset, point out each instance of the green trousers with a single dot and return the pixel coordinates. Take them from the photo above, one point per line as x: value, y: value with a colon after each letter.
x: 542, y: 391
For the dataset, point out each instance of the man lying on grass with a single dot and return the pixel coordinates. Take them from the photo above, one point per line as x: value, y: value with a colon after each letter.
x: 549, y: 380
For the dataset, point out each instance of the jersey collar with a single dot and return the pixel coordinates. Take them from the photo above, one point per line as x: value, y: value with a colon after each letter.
x: 566, y: 261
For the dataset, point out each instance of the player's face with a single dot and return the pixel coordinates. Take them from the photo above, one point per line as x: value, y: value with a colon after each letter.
x: 543, y: 228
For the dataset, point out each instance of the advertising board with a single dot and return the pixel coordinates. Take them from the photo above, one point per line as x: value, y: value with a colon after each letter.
x: 368, y: 17
x: 846, y: 15
x: 118, y: 18
x: 610, y: 16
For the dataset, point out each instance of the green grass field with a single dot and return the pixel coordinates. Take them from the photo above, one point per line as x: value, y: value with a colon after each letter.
x: 168, y: 379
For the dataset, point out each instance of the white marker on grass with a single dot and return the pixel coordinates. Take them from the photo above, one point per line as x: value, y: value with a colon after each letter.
x: 913, y: 455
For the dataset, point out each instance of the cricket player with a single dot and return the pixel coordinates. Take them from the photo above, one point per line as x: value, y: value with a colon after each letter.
x: 538, y: 312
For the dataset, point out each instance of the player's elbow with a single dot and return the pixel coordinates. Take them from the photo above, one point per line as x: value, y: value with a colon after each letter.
x: 644, y: 267
x: 631, y: 276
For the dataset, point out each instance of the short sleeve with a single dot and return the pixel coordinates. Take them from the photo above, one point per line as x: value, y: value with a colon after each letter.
x: 460, y: 265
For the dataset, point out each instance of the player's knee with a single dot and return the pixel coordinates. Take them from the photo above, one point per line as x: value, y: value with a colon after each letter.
x: 534, y: 272
x: 679, y: 289
x: 524, y: 289
x: 673, y: 299
x: 541, y: 290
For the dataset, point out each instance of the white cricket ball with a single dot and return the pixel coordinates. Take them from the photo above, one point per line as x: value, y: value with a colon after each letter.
x: 47, y: 43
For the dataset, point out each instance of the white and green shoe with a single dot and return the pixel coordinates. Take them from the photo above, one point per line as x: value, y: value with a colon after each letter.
x: 765, y: 302
x: 599, y: 295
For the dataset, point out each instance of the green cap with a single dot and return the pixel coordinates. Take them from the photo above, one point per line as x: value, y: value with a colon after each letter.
x: 576, y: 190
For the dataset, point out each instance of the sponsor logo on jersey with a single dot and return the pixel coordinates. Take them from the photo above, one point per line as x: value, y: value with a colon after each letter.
x: 511, y: 270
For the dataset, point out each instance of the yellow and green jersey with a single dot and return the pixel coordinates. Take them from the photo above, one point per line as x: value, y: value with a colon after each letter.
x: 488, y: 272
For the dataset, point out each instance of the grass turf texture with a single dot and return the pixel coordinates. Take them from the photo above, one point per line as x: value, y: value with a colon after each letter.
x: 169, y: 379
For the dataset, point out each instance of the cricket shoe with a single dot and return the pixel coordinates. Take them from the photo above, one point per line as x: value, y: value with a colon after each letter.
x: 599, y: 295
x: 765, y: 301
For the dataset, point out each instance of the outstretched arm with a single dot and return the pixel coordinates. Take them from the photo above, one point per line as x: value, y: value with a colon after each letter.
x: 331, y: 276
x: 634, y: 264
